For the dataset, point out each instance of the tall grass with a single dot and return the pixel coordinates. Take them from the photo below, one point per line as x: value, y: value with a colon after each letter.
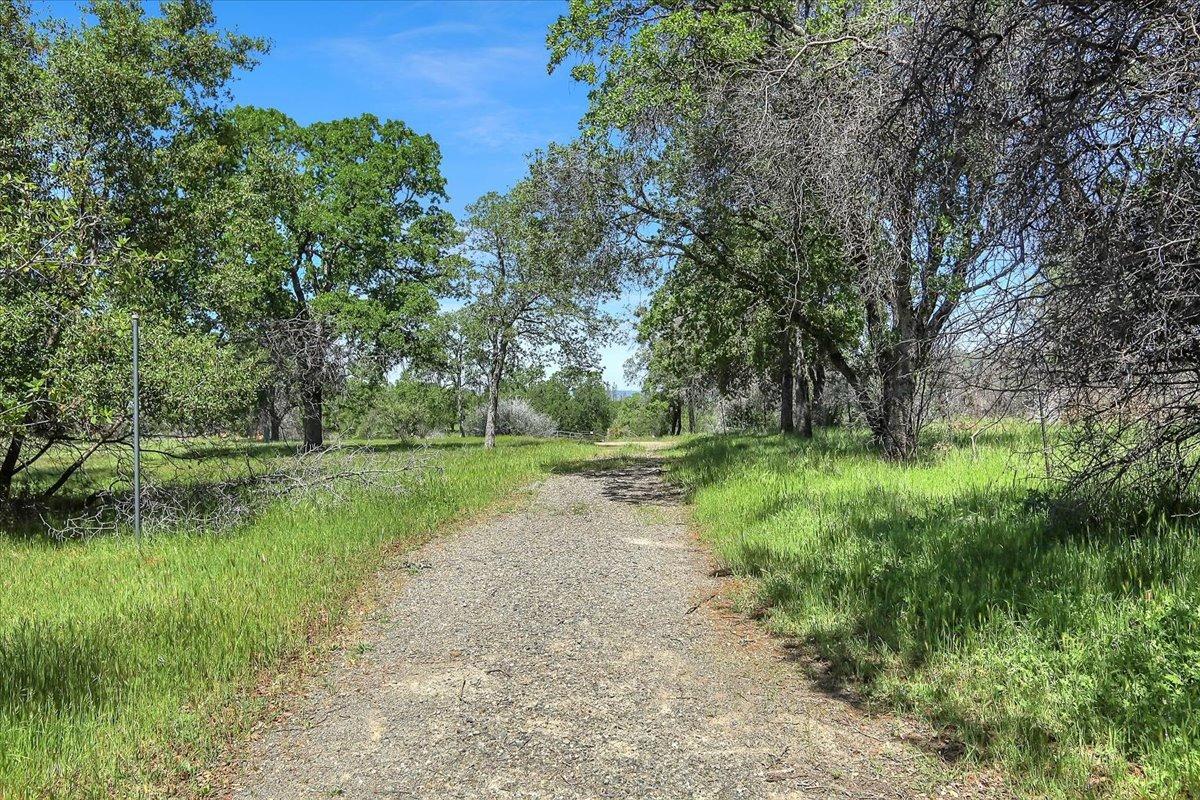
x: 121, y: 670
x: 1068, y: 652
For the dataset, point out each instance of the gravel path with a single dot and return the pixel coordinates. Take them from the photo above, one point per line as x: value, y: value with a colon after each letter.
x: 569, y: 650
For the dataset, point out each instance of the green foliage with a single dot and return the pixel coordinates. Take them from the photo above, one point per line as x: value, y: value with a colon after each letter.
x: 699, y: 327
x: 126, y: 184
x: 182, y: 630
x: 634, y: 54
x: 576, y: 399
x: 405, y: 409
x: 539, y: 273
x: 1067, y: 653
x: 107, y: 126
x: 341, y: 222
x: 639, y: 415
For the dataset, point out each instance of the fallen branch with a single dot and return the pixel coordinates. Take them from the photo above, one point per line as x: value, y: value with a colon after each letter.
x: 230, y: 493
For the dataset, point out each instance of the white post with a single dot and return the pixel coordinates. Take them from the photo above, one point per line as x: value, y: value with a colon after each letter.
x: 137, y: 442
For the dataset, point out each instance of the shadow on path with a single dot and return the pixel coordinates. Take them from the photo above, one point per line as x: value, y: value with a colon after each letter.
x: 637, y: 480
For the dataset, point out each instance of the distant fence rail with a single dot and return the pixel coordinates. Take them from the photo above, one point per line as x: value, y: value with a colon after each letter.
x: 579, y: 436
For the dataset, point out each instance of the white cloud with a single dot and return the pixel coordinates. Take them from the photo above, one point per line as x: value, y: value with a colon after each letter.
x: 450, y: 77
x: 489, y: 91
x: 504, y: 129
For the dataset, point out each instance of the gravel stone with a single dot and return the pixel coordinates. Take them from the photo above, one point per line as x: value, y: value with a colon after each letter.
x: 577, y: 649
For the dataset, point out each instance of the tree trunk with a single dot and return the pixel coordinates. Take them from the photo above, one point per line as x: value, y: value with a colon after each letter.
x: 896, y: 433
x: 493, y: 407
x: 804, y: 393
x: 499, y: 351
x: 8, y: 468
x: 262, y: 428
x: 786, y: 381
x: 676, y: 410
x: 890, y: 410
x: 691, y: 405
x: 11, y: 464
x: 310, y: 411
x: 71, y: 470
x: 816, y: 377
x: 806, y: 399
x: 459, y: 413
x: 268, y: 425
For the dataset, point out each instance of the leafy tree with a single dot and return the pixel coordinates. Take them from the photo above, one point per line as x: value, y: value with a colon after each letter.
x: 575, y: 398
x: 345, y: 240
x: 457, y: 360
x: 404, y: 409
x: 640, y: 415
x: 899, y: 211
x: 537, y: 277
x: 678, y: 195
x: 104, y: 126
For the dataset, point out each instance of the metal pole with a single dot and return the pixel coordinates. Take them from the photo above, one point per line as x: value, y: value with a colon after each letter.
x: 137, y: 442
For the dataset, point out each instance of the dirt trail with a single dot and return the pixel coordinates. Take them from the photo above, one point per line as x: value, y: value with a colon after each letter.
x: 568, y: 651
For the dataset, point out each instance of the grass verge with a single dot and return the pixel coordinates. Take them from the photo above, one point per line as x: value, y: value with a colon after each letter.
x: 1069, y: 654
x: 119, y: 669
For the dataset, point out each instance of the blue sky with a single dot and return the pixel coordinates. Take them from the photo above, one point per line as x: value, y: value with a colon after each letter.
x: 472, y: 74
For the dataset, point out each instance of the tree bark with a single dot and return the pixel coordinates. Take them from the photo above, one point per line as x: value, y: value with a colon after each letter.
x: 890, y: 414
x: 268, y: 420
x: 310, y: 410
x: 459, y: 414
x: 804, y: 393
x: 786, y: 381
x: 11, y: 464
x: 8, y: 468
x: 69, y: 471
x: 816, y: 377
x: 896, y: 433
x: 495, y: 375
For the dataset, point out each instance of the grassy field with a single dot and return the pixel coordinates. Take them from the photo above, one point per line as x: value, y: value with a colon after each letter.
x: 120, y: 670
x: 1068, y: 653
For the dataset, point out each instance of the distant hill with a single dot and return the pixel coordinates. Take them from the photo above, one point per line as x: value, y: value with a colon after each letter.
x: 621, y: 394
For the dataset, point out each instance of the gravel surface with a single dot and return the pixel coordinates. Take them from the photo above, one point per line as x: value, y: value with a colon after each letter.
x: 577, y: 649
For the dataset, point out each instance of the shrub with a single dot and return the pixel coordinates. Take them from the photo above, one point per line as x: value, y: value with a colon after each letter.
x: 577, y: 400
x: 406, y: 409
x: 515, y: 417
x: 639, y: 415
x: 1068, y: 652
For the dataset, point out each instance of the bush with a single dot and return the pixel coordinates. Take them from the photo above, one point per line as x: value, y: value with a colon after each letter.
x: 639, y: 415
x: 515, y: 417
x: 577, y: 400
x: 405, y: 409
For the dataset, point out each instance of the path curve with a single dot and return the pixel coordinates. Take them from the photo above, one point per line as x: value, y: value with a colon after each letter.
x: 566, y: 651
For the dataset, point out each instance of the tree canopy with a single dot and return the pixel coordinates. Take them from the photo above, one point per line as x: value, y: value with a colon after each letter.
x: 104, y: 133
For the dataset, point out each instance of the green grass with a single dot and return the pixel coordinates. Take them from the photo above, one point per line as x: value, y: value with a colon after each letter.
x: 121, y: 671
x: 1070, y: 656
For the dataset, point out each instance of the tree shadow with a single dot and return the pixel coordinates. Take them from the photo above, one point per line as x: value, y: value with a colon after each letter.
x: 631, y: 479
x: 190, y: 473
x: 912, y: 583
